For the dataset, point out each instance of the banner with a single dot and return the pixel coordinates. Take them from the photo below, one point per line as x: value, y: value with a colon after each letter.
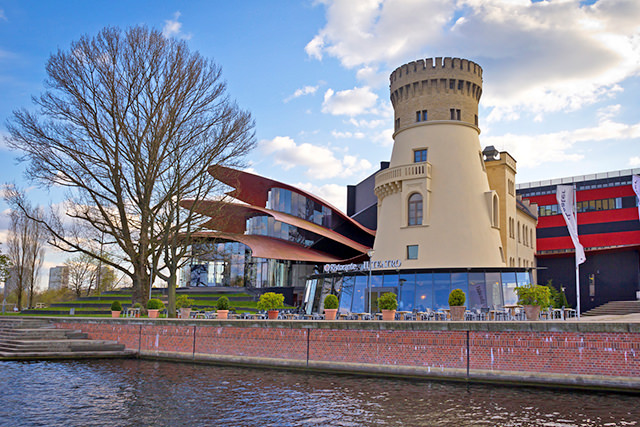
x: 565, y: 195
x: 636, y: 187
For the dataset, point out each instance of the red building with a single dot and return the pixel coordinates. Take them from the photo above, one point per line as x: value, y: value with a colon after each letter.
x: 608, y: 228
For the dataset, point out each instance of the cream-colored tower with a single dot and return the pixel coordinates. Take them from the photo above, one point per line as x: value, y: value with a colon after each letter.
x: 438, y: 213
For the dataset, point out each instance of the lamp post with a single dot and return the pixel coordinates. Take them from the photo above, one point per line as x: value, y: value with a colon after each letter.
x: 370, y: 252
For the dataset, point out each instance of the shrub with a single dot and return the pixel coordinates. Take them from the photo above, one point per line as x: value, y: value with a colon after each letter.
x: 222, y: 303
x: 137, y: 305
x: 534, y: 295
x: 270, y: 301
x: 183, y: 301
x: 116, y: 306
x: 155, y: 304
x: 388, y: 301
x: 331, y: 302
x: 457, y: 298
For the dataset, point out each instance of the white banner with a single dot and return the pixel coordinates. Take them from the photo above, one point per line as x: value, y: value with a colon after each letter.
x: 565, y: 196
x: 636, y: 187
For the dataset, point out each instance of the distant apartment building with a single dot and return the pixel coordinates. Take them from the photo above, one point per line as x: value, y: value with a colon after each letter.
x: 58, y: 277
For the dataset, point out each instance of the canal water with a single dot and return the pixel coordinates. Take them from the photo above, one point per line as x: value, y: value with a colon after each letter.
x: 148, y: 393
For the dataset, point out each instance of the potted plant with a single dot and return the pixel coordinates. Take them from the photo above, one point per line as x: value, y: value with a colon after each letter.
x: 388, y: 303
x: 457, y: 299
x: 116, y: 309
x: 153, y: 307
x: 330, y: 307
x: 271, y: 302
x: 222, y: 307
x: 184, y: 303
x: 533, y: 298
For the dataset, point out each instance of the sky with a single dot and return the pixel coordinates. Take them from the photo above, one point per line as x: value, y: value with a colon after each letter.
x: 561, y: 86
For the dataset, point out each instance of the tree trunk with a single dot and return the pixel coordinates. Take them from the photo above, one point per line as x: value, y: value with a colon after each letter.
x: 171, y: 293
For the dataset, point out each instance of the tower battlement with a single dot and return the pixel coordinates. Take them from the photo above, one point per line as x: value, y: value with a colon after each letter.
x: 436, y: 89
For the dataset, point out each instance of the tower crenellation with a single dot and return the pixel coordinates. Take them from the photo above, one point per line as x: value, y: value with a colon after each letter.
x: 436, y: 89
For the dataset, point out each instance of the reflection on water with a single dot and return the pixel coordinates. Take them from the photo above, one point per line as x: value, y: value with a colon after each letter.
x: 143, y: 393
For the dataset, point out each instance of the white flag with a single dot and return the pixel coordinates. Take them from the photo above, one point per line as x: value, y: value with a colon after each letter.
x: 565, y: 196
x: 636, y: 187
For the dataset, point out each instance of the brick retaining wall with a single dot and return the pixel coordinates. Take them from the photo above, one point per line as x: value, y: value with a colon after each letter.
x: 592, y: 355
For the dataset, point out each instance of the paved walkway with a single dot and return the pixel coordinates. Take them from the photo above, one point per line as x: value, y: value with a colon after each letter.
x: 627, y: 318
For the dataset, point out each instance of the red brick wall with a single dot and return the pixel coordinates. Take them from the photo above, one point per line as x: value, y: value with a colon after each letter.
x: 605, y: 354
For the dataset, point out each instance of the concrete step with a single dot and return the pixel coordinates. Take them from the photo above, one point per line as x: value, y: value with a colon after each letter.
x: 59, y: 346
x: 613, y: 308
x: 67, y: 355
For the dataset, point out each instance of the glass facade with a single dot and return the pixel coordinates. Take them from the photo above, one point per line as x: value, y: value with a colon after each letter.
x: 231, y: 264
x: 268, y: 226
x: 295, y: 204
x: 419, y: 290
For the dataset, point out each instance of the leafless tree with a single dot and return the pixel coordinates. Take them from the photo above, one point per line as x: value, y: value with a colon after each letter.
x: 130, y: 122
x: 82, y: 273
x: 25, y: 246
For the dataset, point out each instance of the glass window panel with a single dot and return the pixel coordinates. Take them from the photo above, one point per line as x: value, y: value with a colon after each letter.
x: 477, y: 291
x: 509, y: 284
x: 441, y: 289
x: 523, y: 278
x: 376, y: 280
x: 346, y: 294
x: 461, y: 281
x: 390, y: 280
x: 406, y: 292
x: 359, y: 295
x: 424, y: 291
x: 494, y: 290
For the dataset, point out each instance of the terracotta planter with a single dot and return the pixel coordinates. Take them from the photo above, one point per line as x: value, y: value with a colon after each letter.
x: 222, y: 314
x: 273, y: 314
x: 153, y: 314
x: 388, y: 315
x: 532, y: 312
x: 185, y: 312
x: 115, y: 313
x: 457, y: 312
x: 330, y: 313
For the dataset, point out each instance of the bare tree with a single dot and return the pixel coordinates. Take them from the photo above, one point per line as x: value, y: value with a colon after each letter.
x: 130, y: 121
x: 82, y: 273
x: 25, y: 245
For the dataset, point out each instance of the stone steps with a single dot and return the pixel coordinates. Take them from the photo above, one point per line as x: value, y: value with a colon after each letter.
x: 30, y: 339
x: 614, y: 308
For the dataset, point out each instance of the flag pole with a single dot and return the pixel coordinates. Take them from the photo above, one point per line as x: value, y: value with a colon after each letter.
x: 575, y: 209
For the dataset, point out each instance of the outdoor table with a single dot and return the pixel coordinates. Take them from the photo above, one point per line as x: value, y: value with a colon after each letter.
x: 512, y: 309
x: 132, y: 312
x: 290, y: 316
x: 343, y: 316
x: 404, y: 314
x: 361, y: 315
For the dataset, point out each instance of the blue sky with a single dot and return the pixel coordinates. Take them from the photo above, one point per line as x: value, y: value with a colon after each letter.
x: 561, y: 78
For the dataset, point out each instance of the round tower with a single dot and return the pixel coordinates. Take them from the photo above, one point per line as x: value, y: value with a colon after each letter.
x: 435, y: 208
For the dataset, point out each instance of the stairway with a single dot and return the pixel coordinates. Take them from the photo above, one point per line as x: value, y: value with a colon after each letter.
x: 36, y: 339
x: 614, y: 308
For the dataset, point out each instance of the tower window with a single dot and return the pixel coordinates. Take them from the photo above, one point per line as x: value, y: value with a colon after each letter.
x: 421, y: 116
x: 415, y: 209
x: 412, y: 251
x: 418, y: 116
x: 420, y: 156
x: 397, y: 123
x: 476, y: 120
x: 452, y: 84
x: 455, y: 114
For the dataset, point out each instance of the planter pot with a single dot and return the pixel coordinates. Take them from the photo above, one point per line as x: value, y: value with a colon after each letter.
x: 532, y: 312
x: 388, y: 315
x: 222, y: 314
x: 273, y: 314
x: 185, y: 313
x: 330, y: 313
x: 115, y: 313
x: 457, y: 312
x: 153, y: 314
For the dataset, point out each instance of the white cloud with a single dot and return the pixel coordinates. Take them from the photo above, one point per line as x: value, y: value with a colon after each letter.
x: 356, y: 135
x: 538, y: 57
x: 3, y: 17
x: 173, y: 28
x: 307, y: 90
x: 318, y: 162
x: 351, y: 102
x: 335, y: 194
x: 533, y: 150
x: 634, y: 161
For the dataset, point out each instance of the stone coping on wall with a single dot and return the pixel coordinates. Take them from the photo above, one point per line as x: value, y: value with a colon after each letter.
x: 373, y: 325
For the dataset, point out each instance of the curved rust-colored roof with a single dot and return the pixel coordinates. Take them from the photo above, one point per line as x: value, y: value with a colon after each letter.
x: 253, y: 189
x: 230, y: 217
x: 271, y: 248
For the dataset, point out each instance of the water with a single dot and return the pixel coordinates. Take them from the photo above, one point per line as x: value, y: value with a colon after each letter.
x: 147, y: 393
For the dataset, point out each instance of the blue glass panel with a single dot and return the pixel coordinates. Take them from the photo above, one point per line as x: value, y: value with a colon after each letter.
x: 359, y: 295
x: 441, y: 289
x: 494, y: 290
x: 477, y: 291
x: 406, y: 292
x: 376, y: 280
x: 390, y: 280
x: 509, y: 288
x: 424, y: 291
x: 523, y: 278
x: 346, y: 294
x: 287, y: 201
x: 461, y: 281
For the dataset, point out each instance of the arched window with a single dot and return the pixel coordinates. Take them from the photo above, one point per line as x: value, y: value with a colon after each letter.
x: 496, y: 212
x: 415, y: 209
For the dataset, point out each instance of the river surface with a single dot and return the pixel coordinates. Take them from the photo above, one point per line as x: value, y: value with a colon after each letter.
x: 148, y: 393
